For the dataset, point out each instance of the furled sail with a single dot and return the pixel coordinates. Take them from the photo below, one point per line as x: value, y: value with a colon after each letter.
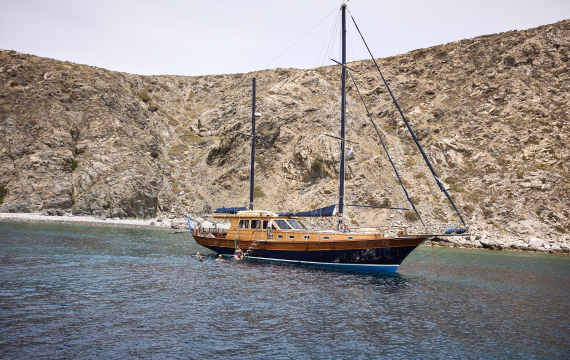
x: 326, y: 211
x: 230, y: 210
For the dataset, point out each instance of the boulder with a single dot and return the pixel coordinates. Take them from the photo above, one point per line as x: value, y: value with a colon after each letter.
x: 535, y: 243
x: 179, y: 224
x: 489, y: 244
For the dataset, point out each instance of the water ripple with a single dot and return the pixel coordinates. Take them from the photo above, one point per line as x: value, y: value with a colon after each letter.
x: 86, y: 292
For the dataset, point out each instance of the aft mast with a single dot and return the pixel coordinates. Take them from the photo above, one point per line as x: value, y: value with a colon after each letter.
x: 252, y: 164
x: 342, y: 120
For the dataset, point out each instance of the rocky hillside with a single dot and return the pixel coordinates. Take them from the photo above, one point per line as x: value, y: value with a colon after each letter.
x: 491, y: 112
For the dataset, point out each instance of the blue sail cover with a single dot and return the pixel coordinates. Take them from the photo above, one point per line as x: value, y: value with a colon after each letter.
x: 326, y: 211
x: 231, y: 210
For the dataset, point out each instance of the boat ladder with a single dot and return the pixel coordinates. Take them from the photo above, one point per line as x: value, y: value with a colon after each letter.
x: 251, y: 248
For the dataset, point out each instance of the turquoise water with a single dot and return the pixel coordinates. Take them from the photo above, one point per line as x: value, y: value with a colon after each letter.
x: 93, y: 292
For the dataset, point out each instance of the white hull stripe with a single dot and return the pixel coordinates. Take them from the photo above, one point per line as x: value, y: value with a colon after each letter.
x: 327, y: 263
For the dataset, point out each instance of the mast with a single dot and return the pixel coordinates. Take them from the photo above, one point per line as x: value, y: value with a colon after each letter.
x: 342, y: 119
x: 252, y: 164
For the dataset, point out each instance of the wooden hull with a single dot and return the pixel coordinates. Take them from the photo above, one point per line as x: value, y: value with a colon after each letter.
x: 384, y: 254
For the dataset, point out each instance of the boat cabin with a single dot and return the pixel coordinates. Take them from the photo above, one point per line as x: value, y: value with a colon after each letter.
x: 260, y: 225
x: 268, y: 226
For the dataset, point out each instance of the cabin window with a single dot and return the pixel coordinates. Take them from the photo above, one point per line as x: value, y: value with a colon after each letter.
x: 292, y: 237
x: 350, y: 238
x: 280, y: 236
x: 265, y: 224
x: 256, y: 224
x: 283, y: 225
x: 243, y: 224
x: 326, y: 238
x: 306, y: 237
x: 295, y: 224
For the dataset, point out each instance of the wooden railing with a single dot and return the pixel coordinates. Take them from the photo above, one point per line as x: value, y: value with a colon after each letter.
x: 383, y: 231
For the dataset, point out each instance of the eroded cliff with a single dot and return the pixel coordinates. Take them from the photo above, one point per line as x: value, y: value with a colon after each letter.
x: 491, y: 112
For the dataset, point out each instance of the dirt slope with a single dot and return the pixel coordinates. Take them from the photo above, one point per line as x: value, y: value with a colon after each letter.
x: 491, y: 112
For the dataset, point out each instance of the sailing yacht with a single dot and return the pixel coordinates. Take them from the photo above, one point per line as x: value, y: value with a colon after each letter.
x: 267, y: 235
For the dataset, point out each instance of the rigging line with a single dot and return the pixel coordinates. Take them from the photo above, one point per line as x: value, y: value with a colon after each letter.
x: 350, y: 41
x: 332, y: 40
x: 330, y: 34
x: 437, y: 180
x: 389, y: 158
x: 339, y: 46
x: 301, y: 37
x: 329, y: 37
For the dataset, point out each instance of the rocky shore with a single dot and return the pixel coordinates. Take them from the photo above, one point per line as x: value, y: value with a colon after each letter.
x: 489, y: 241
x: 480, y: 239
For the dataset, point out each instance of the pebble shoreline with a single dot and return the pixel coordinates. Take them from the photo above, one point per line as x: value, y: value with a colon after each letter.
x: 82, y: 221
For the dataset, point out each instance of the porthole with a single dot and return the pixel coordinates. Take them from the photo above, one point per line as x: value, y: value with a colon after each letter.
x: 306, y: 237
x: 326, y: 238
x: 292, y: 237
x: 350, y: 238
x: 280, y: 236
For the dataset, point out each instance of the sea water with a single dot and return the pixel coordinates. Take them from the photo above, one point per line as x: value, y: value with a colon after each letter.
x: 95, y: 292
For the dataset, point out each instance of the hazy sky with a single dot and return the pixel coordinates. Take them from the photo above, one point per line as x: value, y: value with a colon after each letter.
x: 220, y: 36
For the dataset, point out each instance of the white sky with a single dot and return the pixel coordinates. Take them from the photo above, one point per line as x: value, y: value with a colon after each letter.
x: 221, y: 36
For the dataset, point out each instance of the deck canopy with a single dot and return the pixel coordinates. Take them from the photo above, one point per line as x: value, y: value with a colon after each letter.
x: 326, y: 211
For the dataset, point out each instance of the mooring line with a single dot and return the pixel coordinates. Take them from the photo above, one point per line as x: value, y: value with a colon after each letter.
x: 433, y: 249
x: 435, y: 252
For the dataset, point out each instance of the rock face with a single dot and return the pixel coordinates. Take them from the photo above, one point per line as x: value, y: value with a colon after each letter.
x: 491, y: 113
